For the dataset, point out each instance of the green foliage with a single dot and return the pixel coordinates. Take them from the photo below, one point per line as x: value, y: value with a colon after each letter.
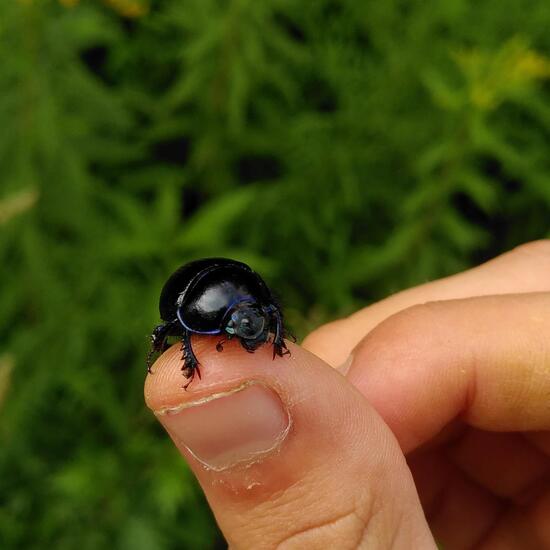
x: 345, y: 149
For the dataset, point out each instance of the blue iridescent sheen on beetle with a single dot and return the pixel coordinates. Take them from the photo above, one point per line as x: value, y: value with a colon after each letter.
x: 217, y: 296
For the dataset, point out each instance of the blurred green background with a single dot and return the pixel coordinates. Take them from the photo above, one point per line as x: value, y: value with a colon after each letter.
x: 345, y: 149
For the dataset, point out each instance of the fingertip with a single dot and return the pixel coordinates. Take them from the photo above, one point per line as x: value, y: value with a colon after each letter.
x: 483, y: 359
x: 220, y: 370
x: 331, y: 342
x: 279, y: 444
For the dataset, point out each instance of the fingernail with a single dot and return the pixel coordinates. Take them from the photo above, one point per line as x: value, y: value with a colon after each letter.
x: 229, y: 428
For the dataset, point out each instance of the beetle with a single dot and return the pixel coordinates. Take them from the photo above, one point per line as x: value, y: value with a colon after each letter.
x: 217, y: 296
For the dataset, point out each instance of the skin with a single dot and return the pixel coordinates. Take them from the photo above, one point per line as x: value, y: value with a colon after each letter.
x: 437, y: 427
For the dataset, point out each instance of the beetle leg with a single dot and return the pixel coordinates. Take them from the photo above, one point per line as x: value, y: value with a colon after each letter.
x: 219, y: 345
x: 159, y: 342
x: 190, y: 361
x: 250, y: 348
x: 192, y: 376
x: 289, y: 335
x: 279, y: 346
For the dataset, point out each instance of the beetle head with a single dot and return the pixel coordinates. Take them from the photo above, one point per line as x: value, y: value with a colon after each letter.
x: 246, y: 321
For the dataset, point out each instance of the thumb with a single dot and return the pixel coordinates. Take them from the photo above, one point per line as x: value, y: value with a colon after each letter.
x: 288, y: 453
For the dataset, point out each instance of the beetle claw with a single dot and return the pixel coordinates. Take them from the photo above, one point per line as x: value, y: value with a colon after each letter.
x: 159, y: 343
x: 189, y: 372
x: 290, y: 336
x: 280, y: 349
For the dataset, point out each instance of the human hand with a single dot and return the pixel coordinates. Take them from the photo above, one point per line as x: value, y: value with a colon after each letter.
x: 301, y: 455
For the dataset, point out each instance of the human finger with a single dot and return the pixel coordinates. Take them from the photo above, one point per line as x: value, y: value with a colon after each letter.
x: 524, y: 269
x: 288, y: 453
x: 485, y: 360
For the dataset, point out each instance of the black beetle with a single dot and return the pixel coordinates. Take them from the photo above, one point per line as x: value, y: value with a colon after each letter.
x: 217, y: 296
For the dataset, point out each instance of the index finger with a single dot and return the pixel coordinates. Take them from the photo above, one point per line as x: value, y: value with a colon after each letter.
x: 485, y: 360
x: 524, y: 269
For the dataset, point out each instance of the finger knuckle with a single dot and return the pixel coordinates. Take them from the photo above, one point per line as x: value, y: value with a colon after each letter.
x: 346, y: 531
